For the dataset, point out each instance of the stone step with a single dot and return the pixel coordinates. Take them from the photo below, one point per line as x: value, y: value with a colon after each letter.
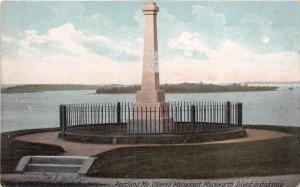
x: 57, y: 168
x: 57, y: 164
x: 57, y: 160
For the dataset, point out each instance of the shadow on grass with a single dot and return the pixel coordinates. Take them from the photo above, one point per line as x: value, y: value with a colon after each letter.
x: 259, y: 158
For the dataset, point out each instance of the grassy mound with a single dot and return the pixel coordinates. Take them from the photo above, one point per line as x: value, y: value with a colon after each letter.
x: 269, y: 157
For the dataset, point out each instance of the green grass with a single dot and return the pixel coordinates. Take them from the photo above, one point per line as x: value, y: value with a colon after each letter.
x: 259, y: 158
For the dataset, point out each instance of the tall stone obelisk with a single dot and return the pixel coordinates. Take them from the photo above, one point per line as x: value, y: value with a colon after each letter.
x: 150, y: 97
x: 150, y: 93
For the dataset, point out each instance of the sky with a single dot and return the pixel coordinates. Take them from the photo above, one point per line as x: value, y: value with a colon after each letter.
x: 101, y: 42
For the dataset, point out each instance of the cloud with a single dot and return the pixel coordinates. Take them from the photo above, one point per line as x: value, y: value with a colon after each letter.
x: 207, y: 18
x: 97, y: 49
x: 229, y: 62
x: 6, y: 39
x: 209, y: 23
x: 265, y: 40
x: 64, y: 38
x: 246, y: 27
x: 73, y: 42
x: 61, y: 55
x: 189, y: 43
x: 58, y: 69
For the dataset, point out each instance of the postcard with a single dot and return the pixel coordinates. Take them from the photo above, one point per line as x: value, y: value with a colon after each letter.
x: 150, y: 93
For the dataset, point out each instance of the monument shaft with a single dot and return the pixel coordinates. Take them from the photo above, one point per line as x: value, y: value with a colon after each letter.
x: 150, y: 107
x: 150, y: 92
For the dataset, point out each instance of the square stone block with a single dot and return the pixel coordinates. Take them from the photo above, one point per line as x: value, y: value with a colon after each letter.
x: 150, y: 97
x: 150, y: 126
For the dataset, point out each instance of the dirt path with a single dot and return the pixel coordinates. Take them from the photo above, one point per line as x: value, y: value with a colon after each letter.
x: 85, y: 149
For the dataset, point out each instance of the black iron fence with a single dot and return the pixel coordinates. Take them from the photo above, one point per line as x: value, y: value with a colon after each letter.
x: 125, y: 118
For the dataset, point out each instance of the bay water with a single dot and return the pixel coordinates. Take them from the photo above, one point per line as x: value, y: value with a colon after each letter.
x: 41, y: 109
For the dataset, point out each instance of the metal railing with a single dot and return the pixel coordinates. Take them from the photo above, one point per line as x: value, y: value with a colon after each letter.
x: 125, y: 118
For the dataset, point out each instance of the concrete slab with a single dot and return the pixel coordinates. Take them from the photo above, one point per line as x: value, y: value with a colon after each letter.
x: 57, y: 164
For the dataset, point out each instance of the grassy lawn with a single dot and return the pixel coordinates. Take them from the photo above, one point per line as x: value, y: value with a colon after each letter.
x: 270, y: 157
x: 13, y: 150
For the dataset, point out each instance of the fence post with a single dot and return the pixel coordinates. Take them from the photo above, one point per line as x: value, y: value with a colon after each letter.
x: 119, y: 113
x: 63, y: 119
x: 240, y: 114
x: 60, y: 117
x: 228, y: 114
x: 193, y: 111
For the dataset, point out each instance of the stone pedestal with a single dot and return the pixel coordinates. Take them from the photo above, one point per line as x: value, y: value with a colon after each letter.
x: 150, y: 118
x: 153, y: 98
x: 150, y: 110
x: 153, y: 127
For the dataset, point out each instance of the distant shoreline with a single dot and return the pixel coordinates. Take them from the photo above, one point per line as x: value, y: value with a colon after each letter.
x: 192, y: 92
x: 188, y: 88
x: 32, y: 88
x: 183, y: 88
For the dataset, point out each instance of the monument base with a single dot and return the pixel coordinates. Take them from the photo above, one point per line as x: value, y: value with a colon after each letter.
x: 154, y: 97
x: 150, y: 118
x: 150, y: 126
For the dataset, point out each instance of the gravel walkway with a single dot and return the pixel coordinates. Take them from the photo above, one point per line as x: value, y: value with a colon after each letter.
x: 85, y: 149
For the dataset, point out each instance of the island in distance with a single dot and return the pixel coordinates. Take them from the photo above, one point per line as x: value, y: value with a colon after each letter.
x: 118, y: 88
x: 188, y: 88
